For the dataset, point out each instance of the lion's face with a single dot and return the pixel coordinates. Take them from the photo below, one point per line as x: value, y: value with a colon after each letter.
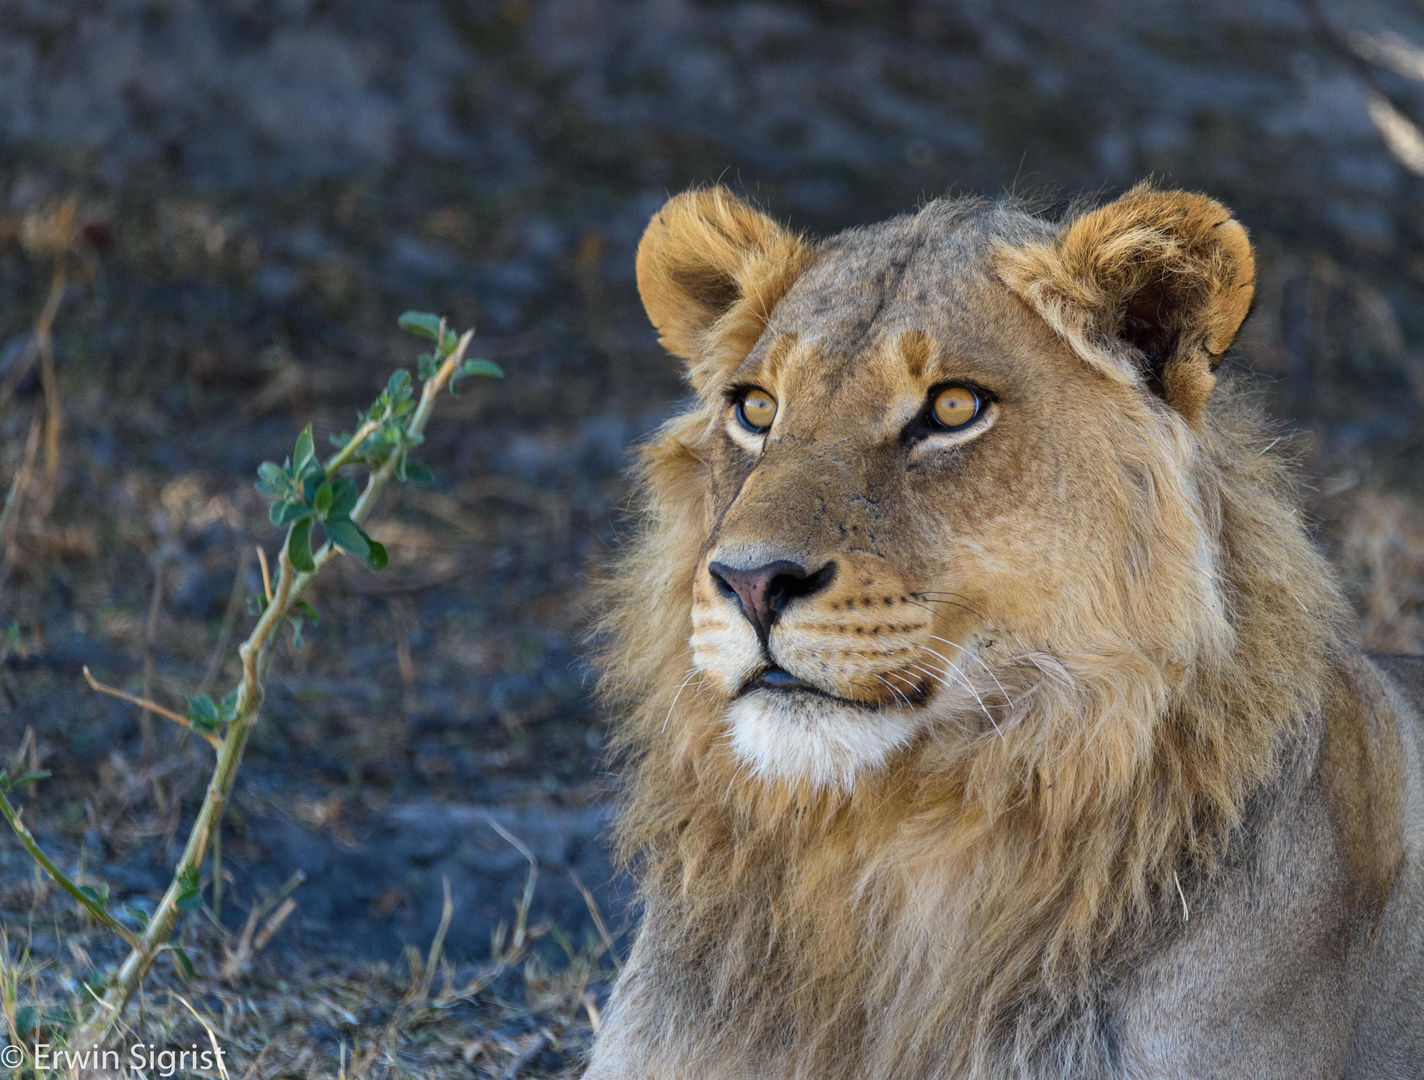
x: 911, y: 477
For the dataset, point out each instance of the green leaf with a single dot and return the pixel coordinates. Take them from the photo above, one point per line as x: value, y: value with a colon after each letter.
x: 283, y: 514
x: 426, y: 365
x: 99, y: 895
x: 256, y: 604
x: 299, y: 546
x: 312, y: 482
x: 227, y: 707
x: 307, y: 610
x: 321, y: 501
x: 7, y: 782
x: 190, y: 900
x: 27, y: 1019
x: 349, y: 538
x: 344, y: 497
x: 398, y: 386
x: 272, y: 479
x: 304, y: 451
x: 378, y: 558
x: 448, y: 343
x: 418, y: 322
x: 202, y: 713
x: 181, y: 962
x: 136, y: 912
x: 297, y: 640
x: 481, y: 367
x: 417, y: 472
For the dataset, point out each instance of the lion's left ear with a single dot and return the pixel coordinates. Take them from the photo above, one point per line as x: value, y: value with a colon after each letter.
x: 710, y: 270
x: 1152, y: 287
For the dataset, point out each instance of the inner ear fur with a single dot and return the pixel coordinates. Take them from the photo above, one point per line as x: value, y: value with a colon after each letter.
x: 1151, y: 288
x: 710, y: 269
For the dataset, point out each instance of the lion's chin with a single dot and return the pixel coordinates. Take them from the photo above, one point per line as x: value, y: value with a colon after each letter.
x: 807, y: 738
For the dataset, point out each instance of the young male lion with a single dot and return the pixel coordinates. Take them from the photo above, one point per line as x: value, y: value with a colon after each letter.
x: 991, y: 713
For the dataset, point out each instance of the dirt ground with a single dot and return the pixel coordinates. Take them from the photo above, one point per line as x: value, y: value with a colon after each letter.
x: 265, y: 185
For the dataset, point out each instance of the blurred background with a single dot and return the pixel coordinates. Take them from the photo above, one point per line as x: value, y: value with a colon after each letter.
x: 241, y: 197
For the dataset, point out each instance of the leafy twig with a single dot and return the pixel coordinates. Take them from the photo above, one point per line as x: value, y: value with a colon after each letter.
x: 306, y: 496
x: 94, y: 904
x: 151, y: 706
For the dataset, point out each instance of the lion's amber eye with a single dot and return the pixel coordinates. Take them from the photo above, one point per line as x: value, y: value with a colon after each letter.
x: 956, y: 406
x: 756, y: 410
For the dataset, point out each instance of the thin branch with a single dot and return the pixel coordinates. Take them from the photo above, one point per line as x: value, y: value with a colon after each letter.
x: 26, y: 361
x: 49, y: 378
x: 62, y: 879
x: 521, y: 916
x: 598, y: 924
x: 256, y: 655
x: 437, y: 944
x: 18, y: 485
x: 342, y: 456
x: 150, y: 706
x: 266, y: 573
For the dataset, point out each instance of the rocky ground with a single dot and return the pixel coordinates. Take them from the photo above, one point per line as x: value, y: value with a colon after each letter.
x: 269, y: 185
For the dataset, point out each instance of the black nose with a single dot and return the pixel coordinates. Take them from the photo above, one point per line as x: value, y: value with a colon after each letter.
x: 764, y: 590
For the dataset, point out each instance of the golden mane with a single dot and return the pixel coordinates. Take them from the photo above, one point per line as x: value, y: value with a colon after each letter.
x: 1073, y: 837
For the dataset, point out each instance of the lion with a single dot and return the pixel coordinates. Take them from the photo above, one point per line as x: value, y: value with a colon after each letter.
x: 988, y: 709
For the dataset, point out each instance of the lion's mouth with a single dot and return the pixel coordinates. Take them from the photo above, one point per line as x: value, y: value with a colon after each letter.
x: 782, y: 681
x: 778, y: 680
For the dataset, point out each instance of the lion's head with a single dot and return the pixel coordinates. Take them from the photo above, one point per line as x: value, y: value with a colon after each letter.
x: 961, y: 587
x: 926, y: 449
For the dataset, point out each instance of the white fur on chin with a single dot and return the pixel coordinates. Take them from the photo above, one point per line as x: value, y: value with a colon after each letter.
x: 804, y: 738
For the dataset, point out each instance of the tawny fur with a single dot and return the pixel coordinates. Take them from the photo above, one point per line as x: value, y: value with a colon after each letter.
x: 963, y: 911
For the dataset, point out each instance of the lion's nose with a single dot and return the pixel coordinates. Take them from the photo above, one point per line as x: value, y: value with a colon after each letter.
x: 764, y: 590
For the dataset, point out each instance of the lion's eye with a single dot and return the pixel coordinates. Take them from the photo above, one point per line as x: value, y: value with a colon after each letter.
x: 756, y: 410
x: 956, y: 406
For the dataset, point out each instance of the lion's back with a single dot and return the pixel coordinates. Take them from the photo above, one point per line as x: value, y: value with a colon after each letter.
x: 1389, y: 1031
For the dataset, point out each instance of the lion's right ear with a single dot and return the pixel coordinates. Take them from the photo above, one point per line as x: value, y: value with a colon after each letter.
x: 1152, y: 288
x: 710, y: 269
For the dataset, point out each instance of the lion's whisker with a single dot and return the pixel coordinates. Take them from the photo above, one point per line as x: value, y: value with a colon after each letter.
x: 911, y: 683
x: 930, y: 594
x: 950, y: 603
x: 690, y: 675
x: 968, y: 685
x: 976, y: 658
x: 894, y: 691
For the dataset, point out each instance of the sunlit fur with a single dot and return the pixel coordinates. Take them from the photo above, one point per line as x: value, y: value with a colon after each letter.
x: 1043, y: 812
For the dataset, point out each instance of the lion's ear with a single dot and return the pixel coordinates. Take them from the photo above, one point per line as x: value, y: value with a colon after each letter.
x: 710, y: 269
x: 1152, y: 287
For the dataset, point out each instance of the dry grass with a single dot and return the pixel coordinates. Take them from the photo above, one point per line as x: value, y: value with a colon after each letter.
x: 528, y: 1011
x: 1379, y: 547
